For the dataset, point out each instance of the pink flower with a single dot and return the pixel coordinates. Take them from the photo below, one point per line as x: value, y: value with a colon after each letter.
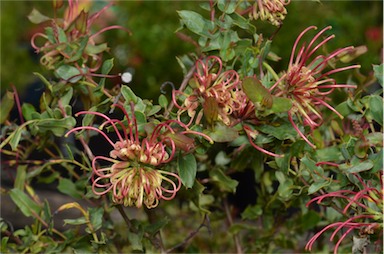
x: 364, y: 209
x: 133, y: 175
x: 306, y: 83
x: 70, y: 40
x: 273, y: 11
x: 211, y: 88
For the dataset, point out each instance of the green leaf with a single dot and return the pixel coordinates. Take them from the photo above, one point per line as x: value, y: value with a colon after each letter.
x: 280, y: 105
x: 363, y: 166
x: 78, y: 221
x: 26, y: 205
x: 252, y: 212
x: 6, y: 106
x: 224, y: 182
x: 135, y: 239
x: 36, y: 17
x: 95, y: 49
x: 378, y: 70
x: 282, y: 131
x: 107, y: 66
x: 62, y: 37
x: 256, y: 92
x: 163, y: 101
x: 128, y: 94
x: 223, y: 133
x: 311, y: 165
x: 376, y: 108
x: 15, y: 139
x: 29, y: 111
x: 68, y: 187
x: 68, y: 73
x: 196, y: 23
x: 57, y: 126
x: 155, y: 227
x: 227, y: 6
x: 316, y: 186
x: 96, y: 219
x: 187, y: 168
x: 21, y: 176
x: 154, y: 110
x: 78, y: 50
x: 66, y: 98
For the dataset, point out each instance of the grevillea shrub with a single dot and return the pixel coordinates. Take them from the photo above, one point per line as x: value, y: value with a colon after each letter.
x: 241, y: 156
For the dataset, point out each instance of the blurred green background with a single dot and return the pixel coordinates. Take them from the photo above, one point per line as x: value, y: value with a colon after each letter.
x: 152, y: 48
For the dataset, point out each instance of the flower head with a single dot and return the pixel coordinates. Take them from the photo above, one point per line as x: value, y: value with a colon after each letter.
x: 363, y: 207
x: 70, y: 39
x: 306, y: 84
x: 272, y: 10
x: 133, y: 175
x: 216, y: 91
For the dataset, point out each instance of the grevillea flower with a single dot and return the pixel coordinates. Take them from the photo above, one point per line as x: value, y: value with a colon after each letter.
x: 133, y: 174
x: 364, y: 209
x: 272, y: 10
x: 70, y: 39
x: 306, y: 84
x: 211, y: 88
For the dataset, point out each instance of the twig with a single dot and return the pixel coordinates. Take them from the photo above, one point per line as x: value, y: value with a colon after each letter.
x: 239, y: 249
x: 125, y: 217
x: 192, y: 234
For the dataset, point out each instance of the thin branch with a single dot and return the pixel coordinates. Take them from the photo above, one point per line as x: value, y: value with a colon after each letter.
x: 192, y: 234
x: 125, y: 217
x: 239, y: 249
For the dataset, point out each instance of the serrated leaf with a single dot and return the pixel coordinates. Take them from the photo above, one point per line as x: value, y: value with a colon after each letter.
x: 187, y: 168
x: 6, y: 106
x: 26, y: 205
x: 36, y: 17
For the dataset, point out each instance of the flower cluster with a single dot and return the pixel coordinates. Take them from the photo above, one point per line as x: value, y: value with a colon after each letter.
x: 306, y: 85
x: 272, y: 10
x: 70, y: 39
x: 133, y: 176
x: 364, y: 209
x: 218, y: 92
